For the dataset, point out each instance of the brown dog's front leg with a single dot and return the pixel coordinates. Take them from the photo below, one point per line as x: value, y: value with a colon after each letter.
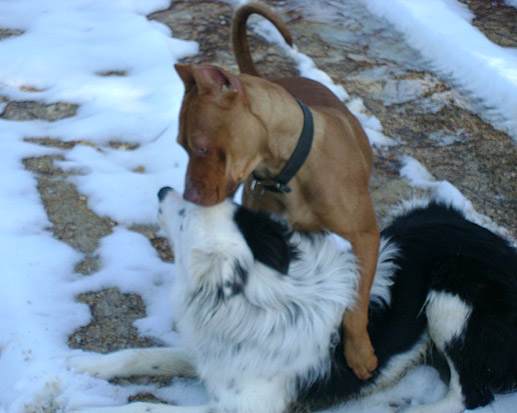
x: 360, y: 228
x: 359, y: 351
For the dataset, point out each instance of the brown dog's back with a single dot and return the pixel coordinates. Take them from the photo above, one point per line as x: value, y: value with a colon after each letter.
x: 310, y: 92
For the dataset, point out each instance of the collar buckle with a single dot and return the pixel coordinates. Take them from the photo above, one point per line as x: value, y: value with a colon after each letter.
x: 269, y: 185
x: 281, y: 188
x: 279, y: 183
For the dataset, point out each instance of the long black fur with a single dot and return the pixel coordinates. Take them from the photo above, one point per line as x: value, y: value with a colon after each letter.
x: 440, y: 250
x: 268, y: 239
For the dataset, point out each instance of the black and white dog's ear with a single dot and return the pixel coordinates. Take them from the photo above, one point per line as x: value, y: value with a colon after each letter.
x: 267, y: 238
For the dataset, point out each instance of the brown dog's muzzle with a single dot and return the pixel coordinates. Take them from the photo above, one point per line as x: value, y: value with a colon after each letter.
x: 192, y: 194
x: 205, y: 183
x: 199, y: 195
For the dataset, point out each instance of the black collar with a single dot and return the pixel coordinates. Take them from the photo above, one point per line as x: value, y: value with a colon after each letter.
x: 295, y: 162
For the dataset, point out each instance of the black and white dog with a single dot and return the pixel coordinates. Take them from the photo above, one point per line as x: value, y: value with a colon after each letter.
x: 259, y: 310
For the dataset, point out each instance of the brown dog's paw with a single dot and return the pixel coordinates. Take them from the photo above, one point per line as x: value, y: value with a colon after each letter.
x: 360, y: 357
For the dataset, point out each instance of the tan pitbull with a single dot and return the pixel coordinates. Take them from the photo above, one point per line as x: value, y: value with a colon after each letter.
x: 233, y: 126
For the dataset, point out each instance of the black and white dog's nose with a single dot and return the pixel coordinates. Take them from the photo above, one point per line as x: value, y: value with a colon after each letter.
x: 162, y: 193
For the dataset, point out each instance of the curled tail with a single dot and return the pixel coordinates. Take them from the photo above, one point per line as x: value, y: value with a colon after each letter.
x: 240, y: 41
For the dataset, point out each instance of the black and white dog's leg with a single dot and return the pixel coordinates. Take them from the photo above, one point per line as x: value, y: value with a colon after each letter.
x: 243, y: 395
x: 447, y: 317
x: 136, y: 362
x: 142, y: 407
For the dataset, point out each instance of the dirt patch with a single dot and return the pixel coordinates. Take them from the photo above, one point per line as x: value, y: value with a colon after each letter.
x: 112, y: 326
x: 112, y: 73
x: 30, y: 110
x: 90, y: 264
x: 496, y: 20
x: 145, y: 397
x: 51, y: 142
x: 160, y: 244
x: 72, y: 221
x: 6, y: 33
x: 123, y: 146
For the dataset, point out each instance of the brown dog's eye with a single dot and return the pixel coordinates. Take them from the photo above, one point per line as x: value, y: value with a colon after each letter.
x: 201, y: 151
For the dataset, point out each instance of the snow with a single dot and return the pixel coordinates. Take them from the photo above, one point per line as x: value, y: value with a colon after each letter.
x: 99, y: 36
x: 123, y: 184
x: 65, y: 48
x: 422, y: 383
x: 459, y: 50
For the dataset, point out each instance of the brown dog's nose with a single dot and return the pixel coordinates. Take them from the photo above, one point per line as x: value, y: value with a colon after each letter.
x: 191, y: 194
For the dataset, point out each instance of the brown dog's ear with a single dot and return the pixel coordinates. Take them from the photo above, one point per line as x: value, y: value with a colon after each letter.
x: 185, y: 73
x: 214, y: 80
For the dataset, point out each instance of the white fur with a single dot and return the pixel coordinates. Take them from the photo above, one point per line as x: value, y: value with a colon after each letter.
x: 399, y: 365
x: 380, y: 293
x: 142, y: 407
x: 447, y: 316
x: 451, y: 403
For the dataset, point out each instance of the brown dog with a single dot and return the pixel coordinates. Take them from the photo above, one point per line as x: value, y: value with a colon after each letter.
x: 233, y: 126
